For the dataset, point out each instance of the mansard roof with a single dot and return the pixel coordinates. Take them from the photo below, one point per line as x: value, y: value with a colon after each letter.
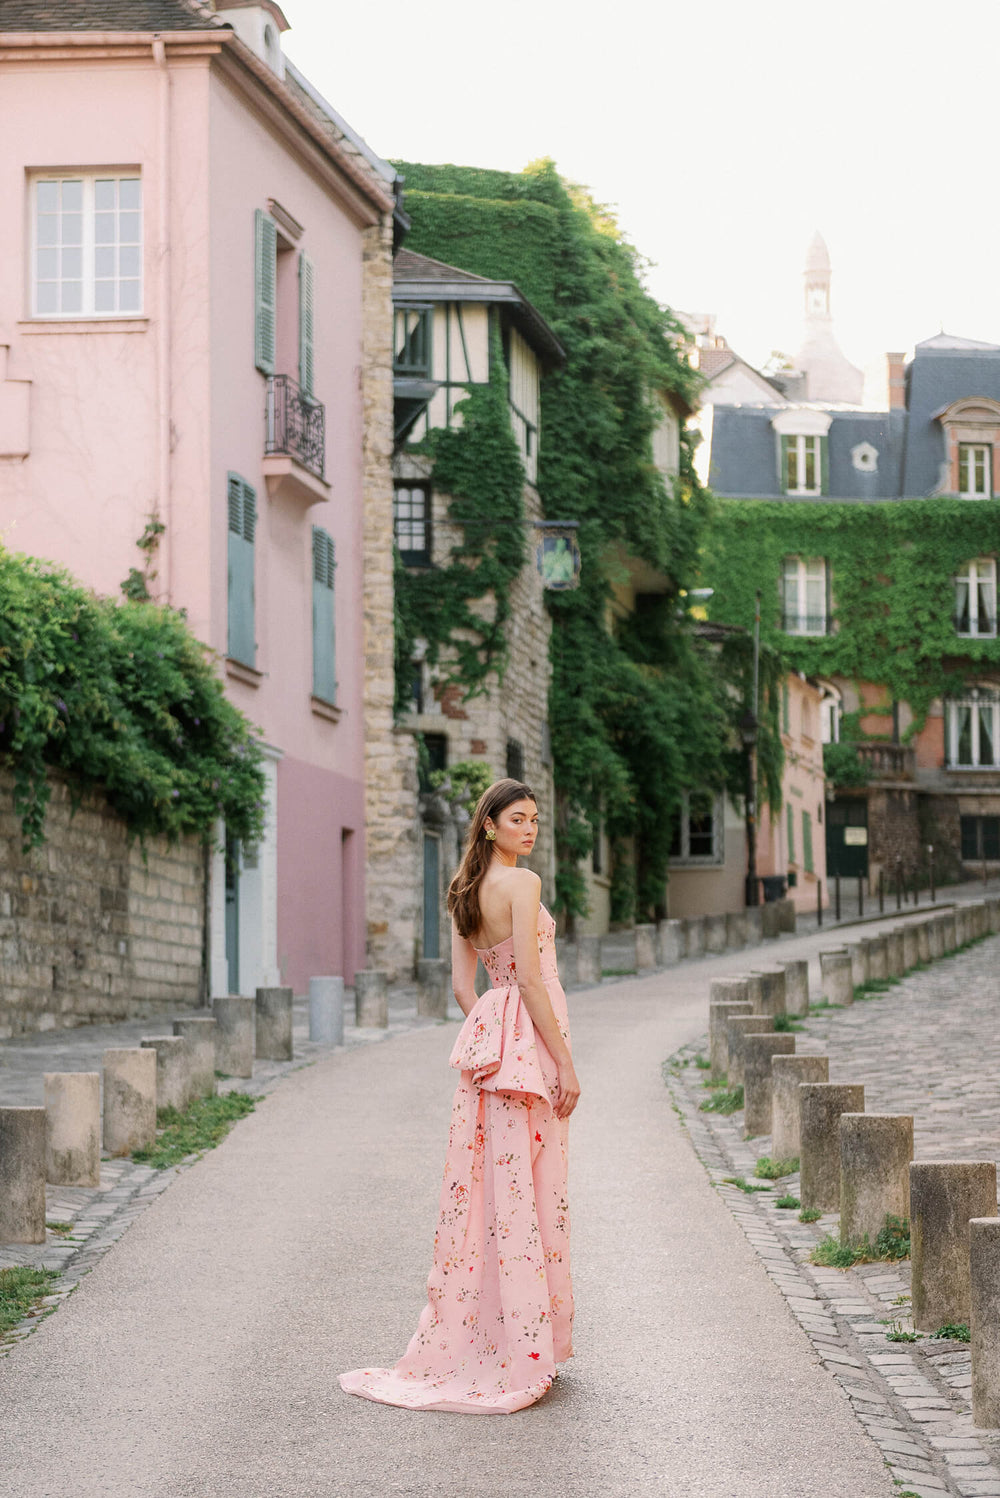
x: 108, y: 15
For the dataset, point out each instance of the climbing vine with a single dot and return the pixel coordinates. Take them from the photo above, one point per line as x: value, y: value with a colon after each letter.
x: 645, y: 710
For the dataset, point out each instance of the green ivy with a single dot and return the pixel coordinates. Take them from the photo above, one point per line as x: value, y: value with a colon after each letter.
x: 123, y: 699
x: 641, y: 713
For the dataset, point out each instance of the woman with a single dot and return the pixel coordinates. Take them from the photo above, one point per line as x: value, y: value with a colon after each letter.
x: 500, y: 1303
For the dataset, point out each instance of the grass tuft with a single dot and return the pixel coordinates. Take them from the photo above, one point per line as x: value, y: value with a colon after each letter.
x: 810, y: 1214
x: 788, y: 1201
x: 773, y: 1170
x: 59, y: 1227
x: 723, y: 1100
x: 742, y: 1184
x: 21, y: 1288
x: 786, y: 1024
x: 702, y: 1063
x: 892, y: 1242
x: 955, y: 1331
x: 202, y: 1125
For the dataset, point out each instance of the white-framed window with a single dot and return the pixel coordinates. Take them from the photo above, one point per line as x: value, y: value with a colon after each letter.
x: 973, y: 723
x: 86, y: 245
x: 412, y: 521
x: 803, y: 465
x: 975, y: 475
x: 804, y: 596
x: 976, y: 598
x: 697, y: 832
x: 831, y: 710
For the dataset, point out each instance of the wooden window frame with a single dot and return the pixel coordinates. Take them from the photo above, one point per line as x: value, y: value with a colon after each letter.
x: 88, y: 247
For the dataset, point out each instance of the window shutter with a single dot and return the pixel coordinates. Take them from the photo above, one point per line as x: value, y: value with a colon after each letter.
x: 265, y: 279
x: 324, y: 639
x: 242, y: 508
x: 790, y: 818
x: 824, y: 466
x: 784, y: 463
x: 828, y: 622
x: 807, y: 842
x: 306, y: 281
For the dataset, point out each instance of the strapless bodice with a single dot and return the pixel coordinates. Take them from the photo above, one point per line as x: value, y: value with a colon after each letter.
x: 499, y: 960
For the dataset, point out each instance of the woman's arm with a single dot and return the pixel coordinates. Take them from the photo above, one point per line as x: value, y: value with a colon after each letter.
x: 524, y: 914
x: 463, y: 971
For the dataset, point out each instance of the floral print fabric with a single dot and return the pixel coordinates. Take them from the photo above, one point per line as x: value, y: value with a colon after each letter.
x: 500, y: 1302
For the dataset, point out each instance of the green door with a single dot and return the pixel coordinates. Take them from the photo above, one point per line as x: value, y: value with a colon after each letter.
x: 847, y: 838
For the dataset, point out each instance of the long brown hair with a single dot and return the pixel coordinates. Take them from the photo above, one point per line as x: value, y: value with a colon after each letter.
x: 463, y: 892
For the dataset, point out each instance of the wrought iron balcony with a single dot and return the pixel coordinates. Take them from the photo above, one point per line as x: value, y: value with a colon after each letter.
x: 295, y: 424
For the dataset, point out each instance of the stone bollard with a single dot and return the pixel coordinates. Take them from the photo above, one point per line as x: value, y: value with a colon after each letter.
x: 944, y: 1196
x: 736, y: 930
x: 992, y: 903
x: 737, y: 1029
x: 984, y: 1320
x: 772, y: 990
x: 878, y: 958
x: 755, y: 992
x: 755, y: 925
x: 758, y: 1051
x: 894, y: 952
x: 924, y: 941
x: 72, y: 1128
x: 720, y: 1012
x: 645, y: 948
x: 129, y: 1100
x: 371, y: 998
x: 715, y: 933
x: 433, y: 982
x: 234, y: 1035
x: 173, y: 1070
x: 857, y: 951
x: 935, y: 937
x: 787, y: 1072
x: 875, y: 1154
x: 694, y: 935
x: 565, y: 963
x: 770, y: 921
x: 786, y: 916
x: 22, y: 1175
x: 670, y: 943
x: 199, y: 1032
x: 326, y: 1009
x: 588, y: 959
x: 796, y: 987
x: 273, y: 1040
x: 978, y: 921
x: 949, y: 933
x: 726, y: 990
x: 837, y: 977
x: 911, y: 948
x: 821, y: 1104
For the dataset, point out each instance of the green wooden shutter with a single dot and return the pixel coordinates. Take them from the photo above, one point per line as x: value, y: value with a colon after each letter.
x: 807, y: 842
x: 790, y: 817
x: 784, y: 463
x: 242, y: 507
x: 265, y: 281
x: 307, y: 277
x: 324, y: 637
x: 824, y: 466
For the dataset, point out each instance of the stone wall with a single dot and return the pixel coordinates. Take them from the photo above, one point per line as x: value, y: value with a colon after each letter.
x: 90, y: 931
x: 893, y: 833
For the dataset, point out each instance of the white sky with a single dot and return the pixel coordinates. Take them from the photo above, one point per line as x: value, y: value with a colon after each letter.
x: 724, y: 132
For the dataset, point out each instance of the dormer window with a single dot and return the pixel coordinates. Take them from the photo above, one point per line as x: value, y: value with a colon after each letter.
x: 975, y: 476
x: 802, y: 453
x: 802, y: 465
x: 971, y: 433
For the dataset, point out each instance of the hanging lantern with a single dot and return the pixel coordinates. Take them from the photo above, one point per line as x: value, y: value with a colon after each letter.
x: 557, y: 554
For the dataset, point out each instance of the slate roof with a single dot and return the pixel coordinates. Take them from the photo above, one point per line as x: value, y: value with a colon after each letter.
x: 107, y: 15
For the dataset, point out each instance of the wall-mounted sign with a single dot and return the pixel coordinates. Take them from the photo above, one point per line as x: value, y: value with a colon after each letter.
x: 855, y: 837
x: 557, y: 554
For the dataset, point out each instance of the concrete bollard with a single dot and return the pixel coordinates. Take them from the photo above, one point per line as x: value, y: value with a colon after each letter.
x: 737, y: 1029
x: 949, y: 935
x: 22, y: 1175
x: 726, y: 990
x: 433, y: 983
x: 129, y: 1100
x: 984, y: 1320
x: 715, y: 933
x: 754, y: 925
x: 894, y: 952
x: 944, y: 1196
x: 875, y: 1154
x: 235, y: 1034
x: 173, y: 1070
x: 935, y: 937
x: 924, y: 941
x: 758, y: 1051
x: 770, y: 921
x: 796, y: 987
x: 565, y: 962
x: 72, y: 1128
x: 694, y: 935
x: 588, y: 959
x: 755, y: 992
x: 786, y: 916
x: 736, y: 930
x: 911, y: 948
x: 992, y: 903
x: 787, y: 1072
x: 273, y: 1009
x: 821, y: 1104
x: 857, y: 951
x: 720, y: 1012
x: 645, y: 948
x: 837, y: 977
x: 199, y: 1032
x: 326, y: 1009
x: 371, y: 998
x: 772, y: 990
x: 878, y: 958
x: 977, y: 919
x: 670, y: 944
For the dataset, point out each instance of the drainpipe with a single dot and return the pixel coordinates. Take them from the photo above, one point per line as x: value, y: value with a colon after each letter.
x: 163, y: 342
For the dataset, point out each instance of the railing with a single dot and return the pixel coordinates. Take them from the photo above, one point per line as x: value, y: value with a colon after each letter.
x: 295, y: 424
x: 806, y: 624
x: 885, y: 761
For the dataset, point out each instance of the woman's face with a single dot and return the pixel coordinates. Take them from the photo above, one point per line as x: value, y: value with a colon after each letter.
x: 516, y: 829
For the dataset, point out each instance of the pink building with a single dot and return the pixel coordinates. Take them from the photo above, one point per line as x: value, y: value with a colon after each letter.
x: 182, y: 263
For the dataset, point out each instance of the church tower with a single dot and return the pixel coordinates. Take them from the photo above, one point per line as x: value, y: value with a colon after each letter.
x: 830, y: 377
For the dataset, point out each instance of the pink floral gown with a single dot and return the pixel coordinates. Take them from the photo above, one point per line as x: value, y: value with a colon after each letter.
x: 499, y: 1315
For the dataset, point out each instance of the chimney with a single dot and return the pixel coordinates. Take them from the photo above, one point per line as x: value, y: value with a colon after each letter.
x: 897, y: 381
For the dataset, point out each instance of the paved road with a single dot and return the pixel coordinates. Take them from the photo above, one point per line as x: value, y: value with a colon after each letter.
x: 199, y: 1358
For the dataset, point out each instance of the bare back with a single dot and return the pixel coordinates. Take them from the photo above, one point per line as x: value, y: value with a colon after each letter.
x: 496, y: 901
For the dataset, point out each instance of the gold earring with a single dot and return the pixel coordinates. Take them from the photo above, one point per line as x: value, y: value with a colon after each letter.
x: 491, y: 835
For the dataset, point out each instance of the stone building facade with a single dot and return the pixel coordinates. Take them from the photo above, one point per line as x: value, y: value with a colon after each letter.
x: 93, y: 926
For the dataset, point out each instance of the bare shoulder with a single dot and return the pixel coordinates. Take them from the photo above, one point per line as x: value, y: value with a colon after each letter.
x: 524, y: 884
